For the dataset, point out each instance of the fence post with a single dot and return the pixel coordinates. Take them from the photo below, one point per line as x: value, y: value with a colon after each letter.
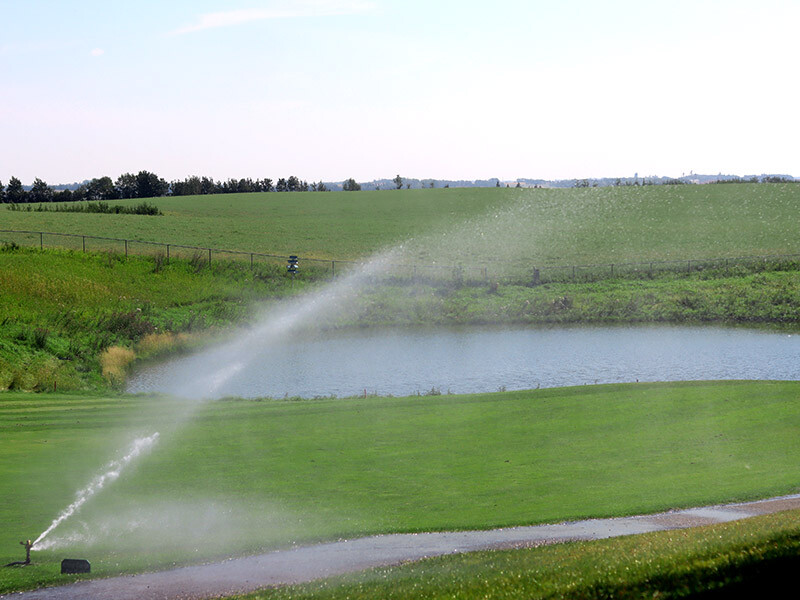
x: 209, y: 256
x: 333, y: 269
x: 84, y: 243
x: 485, y: 274
x: 167, y: 252
x: 689, y: 266
x: 41, y: 240
x: 573, y: 272
x: 612, y: 269
x: 251, y: 261
x: 126, y: 248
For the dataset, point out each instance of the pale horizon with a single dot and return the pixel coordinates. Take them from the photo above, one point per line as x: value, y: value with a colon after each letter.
x: 332, y: 89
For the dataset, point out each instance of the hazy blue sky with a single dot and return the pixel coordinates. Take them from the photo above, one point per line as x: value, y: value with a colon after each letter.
x: 330, y: 89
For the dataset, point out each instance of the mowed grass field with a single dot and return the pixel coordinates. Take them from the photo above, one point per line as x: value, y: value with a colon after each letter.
x: 466, y: 226
x: 234, y: 477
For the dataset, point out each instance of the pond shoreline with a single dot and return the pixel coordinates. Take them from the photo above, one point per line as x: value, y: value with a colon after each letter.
x: 472, y: 359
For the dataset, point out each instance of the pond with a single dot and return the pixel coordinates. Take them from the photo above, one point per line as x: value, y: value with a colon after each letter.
x: 461, y: 360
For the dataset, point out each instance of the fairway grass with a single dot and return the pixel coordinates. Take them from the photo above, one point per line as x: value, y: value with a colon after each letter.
x: 235, y: 477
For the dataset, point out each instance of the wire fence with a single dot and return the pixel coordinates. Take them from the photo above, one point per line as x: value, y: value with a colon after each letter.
x: 518, y: 271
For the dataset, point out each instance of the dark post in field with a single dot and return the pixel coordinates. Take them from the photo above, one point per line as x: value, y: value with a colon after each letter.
x: 292, y: 266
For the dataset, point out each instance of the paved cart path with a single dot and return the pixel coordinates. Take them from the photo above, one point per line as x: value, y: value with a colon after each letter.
x: 323, y: 560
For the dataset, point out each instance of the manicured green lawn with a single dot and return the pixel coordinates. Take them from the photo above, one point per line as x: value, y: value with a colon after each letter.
x: 235, y: 476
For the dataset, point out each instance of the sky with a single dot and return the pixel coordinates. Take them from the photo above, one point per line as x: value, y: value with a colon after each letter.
x: 444, y: 89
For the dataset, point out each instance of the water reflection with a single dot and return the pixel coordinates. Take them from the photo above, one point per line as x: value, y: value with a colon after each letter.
x: 463, y: 360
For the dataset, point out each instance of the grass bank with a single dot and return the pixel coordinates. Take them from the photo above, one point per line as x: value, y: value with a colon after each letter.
x: 745, y: 559
x: 234, y: 477
x: 769, y: 298
x: 61, y: 312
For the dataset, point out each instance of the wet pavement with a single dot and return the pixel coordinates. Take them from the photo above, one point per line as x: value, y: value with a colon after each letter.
x: 304, y: 564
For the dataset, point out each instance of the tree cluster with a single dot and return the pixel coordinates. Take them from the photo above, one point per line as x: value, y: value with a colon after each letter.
x: 350, y: 185
x: 145, y: 184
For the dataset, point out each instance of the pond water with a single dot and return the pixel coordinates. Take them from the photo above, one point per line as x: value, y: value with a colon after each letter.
x: 460, y: 360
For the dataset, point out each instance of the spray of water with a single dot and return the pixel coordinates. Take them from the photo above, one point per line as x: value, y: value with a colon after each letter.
x: 206, y: 373
x: 110, y: 473
x: 219, y: 366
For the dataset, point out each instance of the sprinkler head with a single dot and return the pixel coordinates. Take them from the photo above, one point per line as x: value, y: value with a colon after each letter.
x: 20, y: 563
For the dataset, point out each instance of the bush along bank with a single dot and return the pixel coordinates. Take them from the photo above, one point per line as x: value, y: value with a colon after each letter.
x: 757, y: 299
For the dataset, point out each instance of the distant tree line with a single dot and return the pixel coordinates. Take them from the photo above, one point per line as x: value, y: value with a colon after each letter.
x: 637, y: 181
x: 149, y: 185
x: 754, y: 179
x: 145, y: 184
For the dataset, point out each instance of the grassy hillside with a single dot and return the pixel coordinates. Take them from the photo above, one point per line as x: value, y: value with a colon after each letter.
x: 467, y: 226
x: 236, y: 476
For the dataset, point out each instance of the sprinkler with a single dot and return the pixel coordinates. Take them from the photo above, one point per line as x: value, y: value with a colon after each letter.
x: 21, y: 563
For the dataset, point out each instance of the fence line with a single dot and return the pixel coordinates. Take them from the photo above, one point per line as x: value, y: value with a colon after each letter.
x: 484, y: 273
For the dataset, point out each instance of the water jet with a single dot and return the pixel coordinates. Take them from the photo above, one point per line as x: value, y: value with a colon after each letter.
x: 110, y: 473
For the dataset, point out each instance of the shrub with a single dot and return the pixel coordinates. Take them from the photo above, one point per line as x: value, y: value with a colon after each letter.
x: 39, y: 338
x: 159, y: 259
x: 130, y: 324
x: 197, y: 262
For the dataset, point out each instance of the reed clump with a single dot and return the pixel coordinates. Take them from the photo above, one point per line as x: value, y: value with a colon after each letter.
x: 160, y: 343
x: 114, y: 362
